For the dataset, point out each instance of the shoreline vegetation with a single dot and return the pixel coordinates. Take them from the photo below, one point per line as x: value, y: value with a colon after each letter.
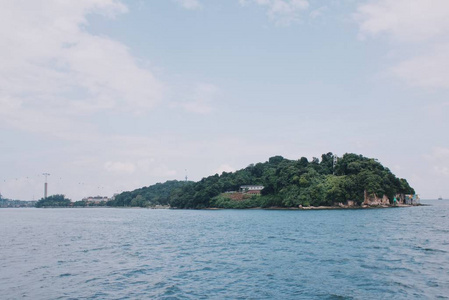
x: 329, y: 207
x: 348, y: 182
x: 251, y: 208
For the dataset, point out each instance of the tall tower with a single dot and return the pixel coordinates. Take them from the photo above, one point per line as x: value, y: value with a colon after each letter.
x: 46, y: 184
x: 186, y: 176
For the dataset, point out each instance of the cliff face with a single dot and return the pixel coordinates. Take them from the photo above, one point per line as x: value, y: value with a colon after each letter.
x: 373, y: 200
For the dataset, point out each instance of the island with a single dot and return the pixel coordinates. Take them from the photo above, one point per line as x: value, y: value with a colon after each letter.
x: 350, y: 181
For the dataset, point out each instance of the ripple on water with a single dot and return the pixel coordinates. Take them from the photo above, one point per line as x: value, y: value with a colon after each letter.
x: 254, y: 254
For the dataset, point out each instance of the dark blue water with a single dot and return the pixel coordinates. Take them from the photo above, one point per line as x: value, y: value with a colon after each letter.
x: 400, y: 253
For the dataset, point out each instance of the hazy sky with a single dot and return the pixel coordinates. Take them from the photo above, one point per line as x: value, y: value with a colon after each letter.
x: 108, y: 96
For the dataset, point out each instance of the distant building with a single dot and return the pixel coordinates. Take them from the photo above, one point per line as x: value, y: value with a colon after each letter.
x: 412, y: 199
x: 251, y: 189
x: 96, y: 199
x: 16, y: 203
x: 407, y: 199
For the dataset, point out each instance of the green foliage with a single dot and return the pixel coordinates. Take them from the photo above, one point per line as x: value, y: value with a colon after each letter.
x: 54, y: 201
x: 340, y: 189
x: 288, y: 183
x: 221, y: 201
x: 158, y: 194
x: 80, y: 203
x: 84, y: 203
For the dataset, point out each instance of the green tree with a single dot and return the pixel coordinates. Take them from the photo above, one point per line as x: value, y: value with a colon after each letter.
x: 287, y: 183
x: 54, y: 201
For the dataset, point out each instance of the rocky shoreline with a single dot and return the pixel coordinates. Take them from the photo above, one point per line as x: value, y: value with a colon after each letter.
x: 323, y: 207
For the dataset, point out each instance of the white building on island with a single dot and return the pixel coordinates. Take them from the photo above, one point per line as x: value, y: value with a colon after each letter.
x: 96, y: 199
x: 251, y: 189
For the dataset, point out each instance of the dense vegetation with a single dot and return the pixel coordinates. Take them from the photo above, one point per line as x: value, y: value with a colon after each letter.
x: 288, y: 183
x: 54, y: 201
x: 158, y: 194
x: 85, y: 203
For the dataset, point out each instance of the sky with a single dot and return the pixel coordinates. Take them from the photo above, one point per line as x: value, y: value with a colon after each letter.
x: 109, y: 96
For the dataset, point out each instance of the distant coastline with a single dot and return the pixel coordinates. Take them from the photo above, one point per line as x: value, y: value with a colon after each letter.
x: 321, y: 207
x: 333, y: 182
x: 348, y: 182
x: 249, y: 208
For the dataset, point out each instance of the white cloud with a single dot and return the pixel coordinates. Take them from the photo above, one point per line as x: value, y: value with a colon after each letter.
x: 148, y: 166
x: 52, y: 68
x: 412, y: 25
x: 122, y: 167
x: 430, y: 70
x: 439, y: 160
x: 42, y: 121
x: 201, y: 99
x: 319, y: 12
x: 404, y: 20
x: 438, y: 111
x: 224, y: 168
x: 190, y: 4
x: 282, y: 12
x: 153, y: 168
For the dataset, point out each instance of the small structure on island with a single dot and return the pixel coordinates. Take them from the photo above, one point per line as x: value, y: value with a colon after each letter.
x: 251, y: 189
x: 399, y: 199
x: 412, y: 199
x: 407, y: 199
x: 245, y: 192
x: 95, y: 200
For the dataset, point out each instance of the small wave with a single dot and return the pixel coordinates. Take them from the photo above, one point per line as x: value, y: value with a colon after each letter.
x: 399, y: 283
x: 160, y: 284
x: 337, y: 297
x: 92, y: 279
x: 432, y: 284
x: 135, y: 273
x: 430, y: 249
x: 172, y: 290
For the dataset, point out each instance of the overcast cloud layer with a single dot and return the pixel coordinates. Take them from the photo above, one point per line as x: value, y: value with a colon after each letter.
x: 111, y: 95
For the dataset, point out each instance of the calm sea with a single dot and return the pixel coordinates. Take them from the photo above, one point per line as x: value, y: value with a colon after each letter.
x: 400, y: 253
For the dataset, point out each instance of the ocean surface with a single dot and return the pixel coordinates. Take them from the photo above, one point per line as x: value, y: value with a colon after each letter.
x: 106, y: 253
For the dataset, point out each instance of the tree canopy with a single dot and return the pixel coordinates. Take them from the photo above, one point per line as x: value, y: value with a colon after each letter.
x: 54, y: 201
x: 287, y: 183
x: 158, y: 194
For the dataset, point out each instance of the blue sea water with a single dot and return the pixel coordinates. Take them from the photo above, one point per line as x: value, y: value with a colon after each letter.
x: 105, y: 253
